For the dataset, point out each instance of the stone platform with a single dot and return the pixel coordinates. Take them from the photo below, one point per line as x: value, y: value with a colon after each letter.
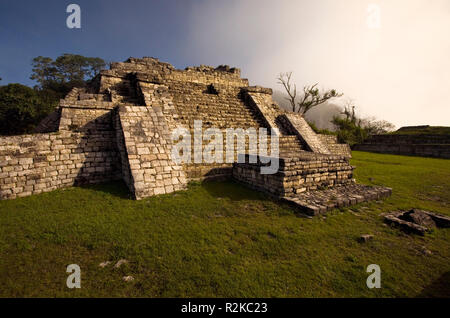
x: 321, y: 201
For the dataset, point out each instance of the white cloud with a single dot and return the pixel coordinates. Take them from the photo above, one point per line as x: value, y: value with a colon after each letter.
x: 400, y: 72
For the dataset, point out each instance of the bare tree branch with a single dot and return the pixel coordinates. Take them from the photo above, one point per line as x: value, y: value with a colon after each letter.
x: 285, y: 80
x: 312, y: 96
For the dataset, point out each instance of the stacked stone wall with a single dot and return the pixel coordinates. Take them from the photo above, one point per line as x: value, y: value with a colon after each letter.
x: 296, y: 175
x: 85, y: 119
x: 33, y: 164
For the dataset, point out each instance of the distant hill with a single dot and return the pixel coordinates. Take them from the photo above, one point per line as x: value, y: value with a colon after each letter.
x: 321, y: 115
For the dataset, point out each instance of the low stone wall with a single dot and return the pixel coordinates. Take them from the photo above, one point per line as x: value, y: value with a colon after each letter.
x: 423, y: 150
x: 296, y: 175
x: 32, y: 164
x: 250, y: 175
x: 408, y: 139
x: 302, y: 175
x: 437, y: 146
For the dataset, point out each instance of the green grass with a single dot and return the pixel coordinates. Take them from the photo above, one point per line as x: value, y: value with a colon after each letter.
x: 223, y: 240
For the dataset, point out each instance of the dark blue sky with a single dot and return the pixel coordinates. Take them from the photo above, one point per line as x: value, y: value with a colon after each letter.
x: 111, y: 29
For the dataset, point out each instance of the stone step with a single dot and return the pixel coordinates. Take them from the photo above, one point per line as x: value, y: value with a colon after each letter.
x: 321, y: 201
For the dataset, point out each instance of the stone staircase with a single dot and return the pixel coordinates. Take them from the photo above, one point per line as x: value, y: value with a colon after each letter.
x: 336, y: 148
x: 145, y: 146
x: 290, y: 145
x: 222, y: 110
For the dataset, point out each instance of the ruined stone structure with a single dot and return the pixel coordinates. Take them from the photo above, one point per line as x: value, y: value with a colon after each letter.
x: 121, y: 128
x: 423, y: 145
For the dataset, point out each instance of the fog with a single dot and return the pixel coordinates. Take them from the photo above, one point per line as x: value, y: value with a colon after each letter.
x: 399, y: 72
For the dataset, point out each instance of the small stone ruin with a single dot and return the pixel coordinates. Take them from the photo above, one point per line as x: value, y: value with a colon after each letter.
x: 417, y: 221
x: 119, y: 128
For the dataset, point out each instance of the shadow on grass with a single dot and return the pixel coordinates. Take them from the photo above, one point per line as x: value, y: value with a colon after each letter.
x: 218, y: 189
x: 231, y: 190
x: 114, y: 188
x: 439, y: 288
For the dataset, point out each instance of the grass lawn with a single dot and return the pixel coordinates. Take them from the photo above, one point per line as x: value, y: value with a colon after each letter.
x: 220, y: 239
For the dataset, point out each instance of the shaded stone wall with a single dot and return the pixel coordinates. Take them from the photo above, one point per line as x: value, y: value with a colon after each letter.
x: 409, y: 139
x: 437, y: 146
x: 85, y: 119
x: 32, y: 164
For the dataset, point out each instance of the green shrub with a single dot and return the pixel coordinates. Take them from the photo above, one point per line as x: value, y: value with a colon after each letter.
x: 348, y: 131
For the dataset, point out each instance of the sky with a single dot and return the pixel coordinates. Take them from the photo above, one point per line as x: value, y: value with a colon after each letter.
x: 390, y: 57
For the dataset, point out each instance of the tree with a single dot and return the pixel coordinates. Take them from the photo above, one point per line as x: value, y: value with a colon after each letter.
x: 352, y: 129
x: 349, y: 111
x: 22, y: 108
x: 312, y: 96
x: 376, y: 127
x: 349, y: 131
x: 66, y: 72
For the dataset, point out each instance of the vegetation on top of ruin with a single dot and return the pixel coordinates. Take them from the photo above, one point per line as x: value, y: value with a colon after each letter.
x: 220, y: 239
x: 422, y: 130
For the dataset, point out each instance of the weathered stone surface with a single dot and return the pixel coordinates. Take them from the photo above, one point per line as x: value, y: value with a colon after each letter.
x: 365, y: 238
x: 297, y: 125
x: 120, y: 263
x: 419, y: 217
x: 104, y: 264
x: 128, y: 279
x: 335, y: 148
x: 417, y: 221
x: 317, y: 202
